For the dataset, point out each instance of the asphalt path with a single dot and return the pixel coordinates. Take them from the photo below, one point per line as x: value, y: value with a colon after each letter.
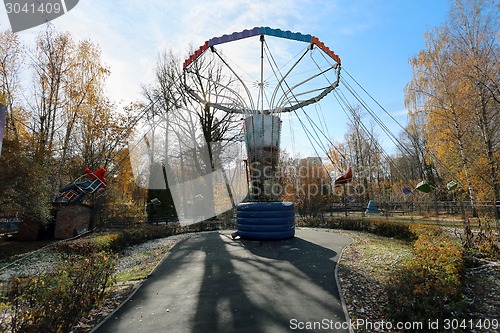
x: 211, y: 283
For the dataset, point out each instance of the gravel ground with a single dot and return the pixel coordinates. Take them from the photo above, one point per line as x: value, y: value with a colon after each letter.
x: 135, y: 255
x: 30, y: 264
x: 483, y: 290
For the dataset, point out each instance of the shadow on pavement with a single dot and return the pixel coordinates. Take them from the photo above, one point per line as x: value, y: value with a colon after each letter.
x: 212, y: 283
x: 266, y: 286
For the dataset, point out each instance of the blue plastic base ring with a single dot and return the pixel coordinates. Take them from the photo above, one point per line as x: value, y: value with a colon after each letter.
x: 265, y: 221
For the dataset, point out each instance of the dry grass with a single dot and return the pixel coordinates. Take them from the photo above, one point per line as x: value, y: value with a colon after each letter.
x: 370, y: 260
x: 364, y: 271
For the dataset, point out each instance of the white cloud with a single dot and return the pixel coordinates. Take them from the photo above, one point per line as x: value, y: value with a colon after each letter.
x: 399, y: 113
x: 131, y: 34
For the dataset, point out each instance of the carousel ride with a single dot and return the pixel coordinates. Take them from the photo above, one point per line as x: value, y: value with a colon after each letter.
x: 261, y: 94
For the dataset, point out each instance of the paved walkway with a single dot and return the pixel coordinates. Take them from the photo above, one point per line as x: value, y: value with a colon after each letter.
x: 212, y: 283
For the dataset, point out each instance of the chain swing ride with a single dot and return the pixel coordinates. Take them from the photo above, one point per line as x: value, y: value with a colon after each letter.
x: 262, y: 95
x: 282, y: 86
x: 290, y: 86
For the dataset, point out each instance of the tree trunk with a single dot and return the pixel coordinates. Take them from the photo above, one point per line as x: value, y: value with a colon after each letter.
x: 485, y: 131
x: 465, y: 164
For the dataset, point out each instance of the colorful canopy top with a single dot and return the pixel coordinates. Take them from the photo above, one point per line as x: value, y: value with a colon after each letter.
x: 257, y: 31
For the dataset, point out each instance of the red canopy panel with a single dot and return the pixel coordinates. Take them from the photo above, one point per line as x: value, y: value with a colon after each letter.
x: 345, y: 178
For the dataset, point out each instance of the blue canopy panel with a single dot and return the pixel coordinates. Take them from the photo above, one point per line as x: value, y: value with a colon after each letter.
x: 256, y: 32
x: 234, y: 36
x: 285, y: 34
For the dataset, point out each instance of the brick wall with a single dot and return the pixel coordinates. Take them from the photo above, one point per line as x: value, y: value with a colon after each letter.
x: 69, y: 218
x: 28, y: 230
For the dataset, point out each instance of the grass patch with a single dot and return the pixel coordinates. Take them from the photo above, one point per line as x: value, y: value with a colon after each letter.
x: 384, y: 254
x: 136, y: 273
x: 141, y: 264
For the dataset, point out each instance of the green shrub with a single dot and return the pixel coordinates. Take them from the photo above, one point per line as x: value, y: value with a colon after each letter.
x: 114, y: 241
x: 24, y: 178
x: 429, y: 285
x: 91, y: 244
x: 309, y: 221
x: 54, y: 301
x: 485, y: 243
x: 138, y: 235
x: 399, y: 230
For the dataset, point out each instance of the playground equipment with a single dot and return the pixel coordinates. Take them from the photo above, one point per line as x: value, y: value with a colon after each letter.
x: 406, y: 191
x: 290, y: 85
x: 452, y: 185
x: 372, y: 208
x: 90, y: 182
x: 425, y: 186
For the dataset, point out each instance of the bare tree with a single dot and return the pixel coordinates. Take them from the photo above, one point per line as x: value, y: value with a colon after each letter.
x: 51, y: 64
x: 11, y: 60
x: 200, y: 132
x: 474, y: 29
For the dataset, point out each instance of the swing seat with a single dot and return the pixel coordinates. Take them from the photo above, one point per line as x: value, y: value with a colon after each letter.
x: 452, y: 185
x: 155, y: 201
x: 345, y: 178
x: 406, y: 191
x: 94, y: 185
x: 70, y: 195
x: 425, y: 186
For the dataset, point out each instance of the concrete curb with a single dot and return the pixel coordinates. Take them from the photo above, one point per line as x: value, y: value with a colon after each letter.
x: 118, y: 308
x: 339, y: 288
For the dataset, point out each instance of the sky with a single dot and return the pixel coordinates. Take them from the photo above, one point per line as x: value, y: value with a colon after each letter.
x: 374, y: 38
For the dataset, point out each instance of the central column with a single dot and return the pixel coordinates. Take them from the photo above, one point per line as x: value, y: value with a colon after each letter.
x: 264, y: 217
x: 262, y: 136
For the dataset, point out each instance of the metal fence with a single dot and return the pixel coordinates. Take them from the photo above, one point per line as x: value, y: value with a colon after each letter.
x: 484, y: 214
x: 458, y: 209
